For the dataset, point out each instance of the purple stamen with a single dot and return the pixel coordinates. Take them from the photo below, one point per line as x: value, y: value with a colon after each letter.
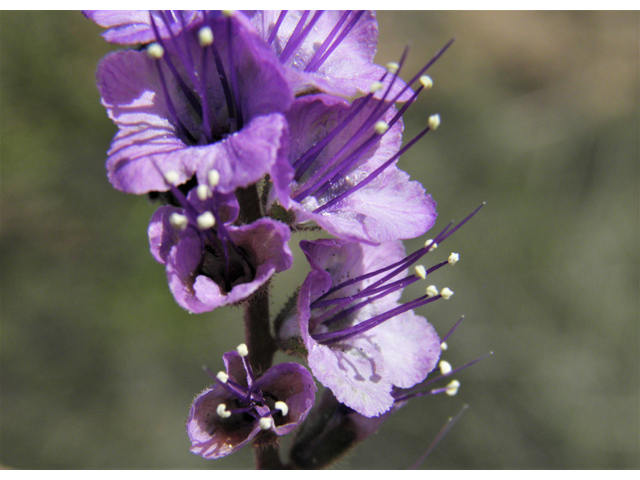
x: 232, y: 71
x: 339, y: 335
x: 372, y: 176
x: 326, y: 42
x: 323, y: 180
x: 453, y: 329
x: 402, y: 395
x: 276, y: 27
x: 294, y: 43
x: 447, y: 426
x: 183, y: 86
x: 343, y: 167
x: 341, y: 37
x: 294, y: 35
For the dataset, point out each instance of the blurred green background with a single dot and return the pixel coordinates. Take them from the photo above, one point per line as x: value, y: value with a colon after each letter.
x: 539, y: 118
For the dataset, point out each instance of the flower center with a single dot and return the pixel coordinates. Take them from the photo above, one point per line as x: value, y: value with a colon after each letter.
x: 224, y: 262
x: 190, y: 67
x: 249, y: 404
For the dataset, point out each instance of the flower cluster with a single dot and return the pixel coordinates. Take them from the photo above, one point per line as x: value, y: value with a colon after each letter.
x: 249, y: 126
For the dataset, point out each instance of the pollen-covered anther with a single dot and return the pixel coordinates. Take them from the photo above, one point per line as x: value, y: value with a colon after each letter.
x: 283, y: 407
x: 203, y: 192
x: 228, y: 13
x: 178, y: 221
x: 242, y: 350
x: 433, y: 244
x: 452, y: 388
x: 432, y: 291
x: 222, y: 376
x: 434, y: 121
x: 172, y: 177
x: 213, y: 177
x: 453, y: 258
x: 421, y: 271
x: 222, y: 411
x: 426, y: 81
x: 393, y: 67
x: 155, y: 51
x: 445, y: 367
x: 446, y: 293
x: 206, y: 220
x: 265, y: 423
x: 205, y: 36
x: 444, y: 346
x: 376, y: 87
x: 381, y: 127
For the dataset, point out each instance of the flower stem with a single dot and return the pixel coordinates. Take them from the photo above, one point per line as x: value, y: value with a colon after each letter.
x: 257, y: 329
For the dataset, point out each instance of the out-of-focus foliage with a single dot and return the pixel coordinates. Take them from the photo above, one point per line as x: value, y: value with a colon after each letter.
x: 540, y: 119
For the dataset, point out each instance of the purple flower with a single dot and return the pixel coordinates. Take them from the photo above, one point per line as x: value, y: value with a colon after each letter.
x: 209, y: 262
x: 360, y: 341
x: 207, y: 94
x: 239, y: 407
x: 328, y: 51
x: 346, y: 179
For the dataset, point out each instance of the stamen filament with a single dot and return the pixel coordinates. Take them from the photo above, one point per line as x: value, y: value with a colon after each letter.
x: 294, y: 43
x: 335, y: 44
x: 286, y: 51
x: 276, y: 27
x: 325, y: 44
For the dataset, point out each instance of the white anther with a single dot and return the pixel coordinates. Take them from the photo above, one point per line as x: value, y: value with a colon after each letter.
x: 376, y: 87
x: 444, y: 346
x: 265, y: 423
x: 242, y: 349
x: 421, y: 271
x: 213, y: 177
x: 178, y: 221
x: 155, y: 51
x: 206, y: 220
x: 227, y: 13
x: 283, y: 407
x: 445, y: 367
x: 453, y: 258
x: 434, y: 121
x: 205, y: 36
x: 172, y: 177
x: 433, y: 244
x: 432, y: 291
x: 223, y: 377
x: 222, y: 411
x: 446, y: 293
x: 203, y: 191
x: 426, y: 81
x: 393, y: 67
x: 381, y: 127
x: 452, y: 388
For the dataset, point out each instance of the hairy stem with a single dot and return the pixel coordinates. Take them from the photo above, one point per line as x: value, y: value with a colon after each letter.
x: 261, y: 344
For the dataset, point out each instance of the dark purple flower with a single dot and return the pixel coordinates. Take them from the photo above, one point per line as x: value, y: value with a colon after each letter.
x: 207, y: 94
x: 327, y: 51
x: 209, y: 262
x: 239, y: 407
